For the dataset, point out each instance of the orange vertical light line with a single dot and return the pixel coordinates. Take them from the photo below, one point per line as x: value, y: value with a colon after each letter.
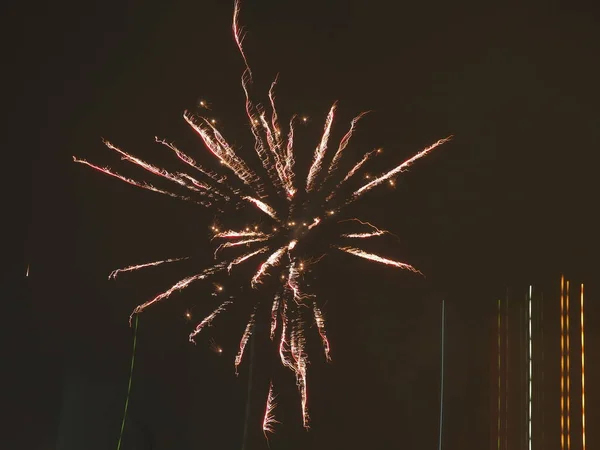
x: 568, y: 336
x: 582, y: 372
x: 562, y: 363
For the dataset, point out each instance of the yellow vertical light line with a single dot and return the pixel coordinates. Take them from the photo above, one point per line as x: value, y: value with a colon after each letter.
x: 499, y: 369
x: 568, y: 337
x: 582, y: 372
x: 562, y: 362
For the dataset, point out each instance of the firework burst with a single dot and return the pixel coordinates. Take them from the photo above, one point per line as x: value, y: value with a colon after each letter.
x: 288, y: 248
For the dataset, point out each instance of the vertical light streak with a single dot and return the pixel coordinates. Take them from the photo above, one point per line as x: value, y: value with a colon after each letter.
x: 442, y: 376
x: 506, y: 372
x: 499, y: 370
x: 562, y: 362
x: 568, y: 362
x: 582, y: 372
x: 530, y: 370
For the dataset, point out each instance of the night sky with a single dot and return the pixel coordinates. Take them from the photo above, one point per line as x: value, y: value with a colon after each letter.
x: 512, y: 199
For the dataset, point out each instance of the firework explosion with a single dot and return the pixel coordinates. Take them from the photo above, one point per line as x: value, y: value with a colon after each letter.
x: 296, y: 211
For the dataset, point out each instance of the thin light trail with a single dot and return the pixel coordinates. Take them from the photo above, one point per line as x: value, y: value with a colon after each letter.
x: 530, y: 371
x: 582, y: 371
x: 568, y: 362
x: 129, y: 384
x: 442, y: 375
x: 562, y: 362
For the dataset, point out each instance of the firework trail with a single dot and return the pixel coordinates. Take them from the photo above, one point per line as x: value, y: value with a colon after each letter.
x: 286, y: 217
x: 269, y: 420
x: 114, y: 273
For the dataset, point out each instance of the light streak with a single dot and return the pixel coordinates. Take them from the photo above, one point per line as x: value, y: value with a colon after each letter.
x: 130, y: 181
x: 499, y: 412
x: 244, y: 340
x: 582, y: 371
x: 269, y: 420
x: 237, y: 234
x: 443, y: 339
x: 271, y: 261
x: 315, y: 168
x: 238, y: 243
x: 530, y: 370
x: 149, y: 167
x: 191, y: 162
x: 320, y: 321
x: 562, y: 363
x: 372, y: 257
x: 353, y: 171
x: 401, y: 168
x: 274, y: 311
x: 182, y: 284
x: 207, y: 321
x: 115, y: 272
x: 568, y: 363
x: 245, y: 257
x: 263, y: 207
x: 343, y: 144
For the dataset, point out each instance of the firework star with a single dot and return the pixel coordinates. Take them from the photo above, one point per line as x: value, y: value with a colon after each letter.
x: 301, y: 215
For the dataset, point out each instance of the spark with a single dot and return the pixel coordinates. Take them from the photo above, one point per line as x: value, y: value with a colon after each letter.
x: 237, y: 234
x: 207, y: 321
x: 377, y: 258
x: 238, y: 243
x: 401, y: 168
x: 320, y: 321
x: 269, y: 420
x: 271, y: 261
x: 245, y: 257
x: 263, y: 207
x: 320, y: 151
x: 244, y: 340
x: 376, y: 231
x: 144, y: 185
x: 114, y: 273
x: 215, y: 347
x: 353, y: 171
x: 274, y: 310
x: 344, y: 143
x: 180, y: 285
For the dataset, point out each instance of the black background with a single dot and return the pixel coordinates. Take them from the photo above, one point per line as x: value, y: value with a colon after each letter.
x: 510, y: 200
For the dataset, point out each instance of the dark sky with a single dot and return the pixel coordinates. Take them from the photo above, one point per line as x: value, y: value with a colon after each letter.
x: 511, y: 200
